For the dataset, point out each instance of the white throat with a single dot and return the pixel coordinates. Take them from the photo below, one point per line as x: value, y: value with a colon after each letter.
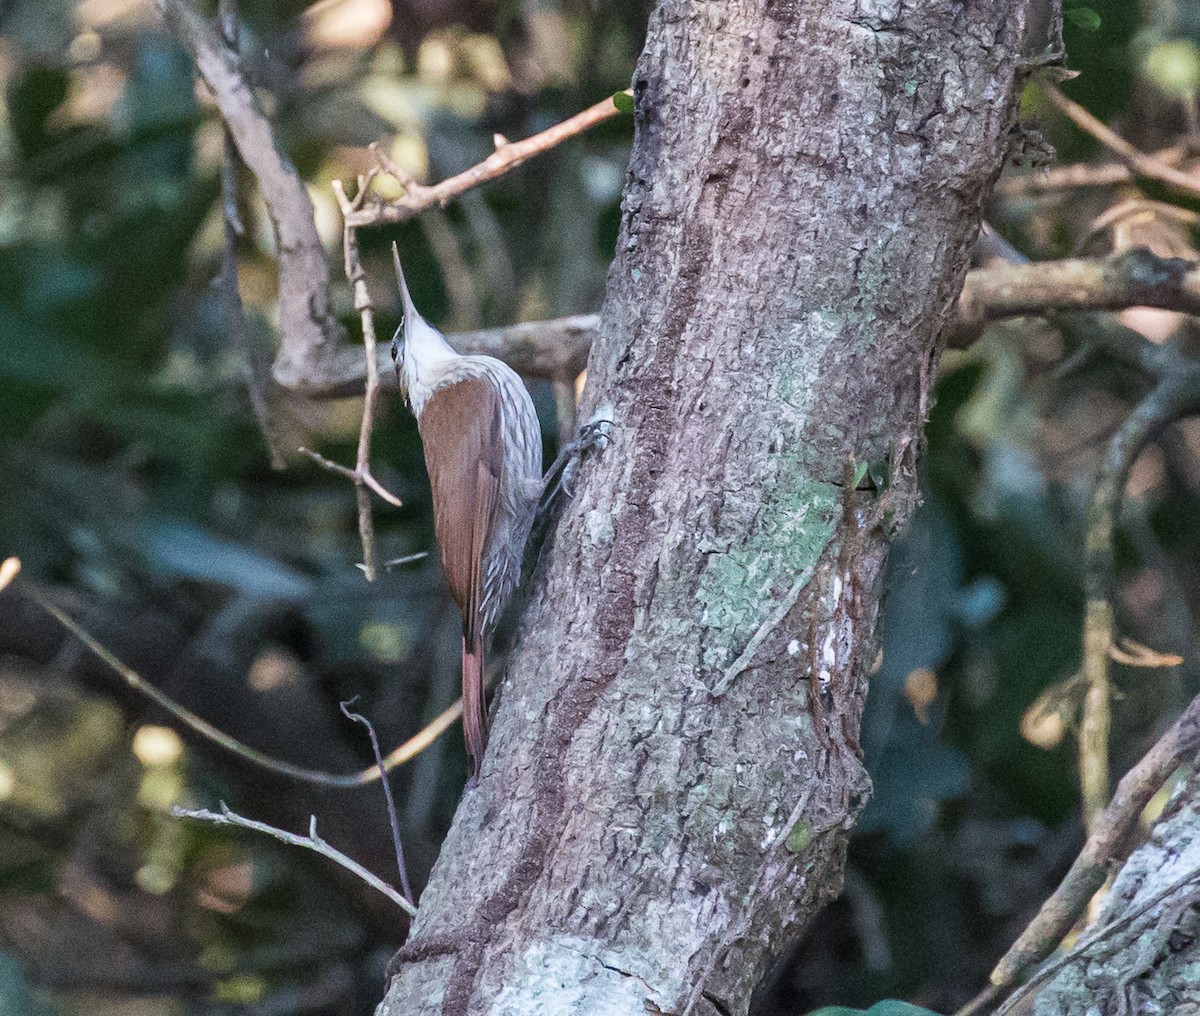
x: 425, y: 353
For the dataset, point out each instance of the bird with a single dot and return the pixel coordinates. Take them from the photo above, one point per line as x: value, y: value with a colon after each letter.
x: 483, y: 452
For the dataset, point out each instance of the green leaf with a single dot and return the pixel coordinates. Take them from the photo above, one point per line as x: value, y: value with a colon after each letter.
x: 623, y: 101
x: 889, y: 1007
x: 1084, y: 18
x: 860, y: 470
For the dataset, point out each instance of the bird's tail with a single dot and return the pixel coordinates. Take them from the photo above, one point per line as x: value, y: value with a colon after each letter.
x: 474, y: 713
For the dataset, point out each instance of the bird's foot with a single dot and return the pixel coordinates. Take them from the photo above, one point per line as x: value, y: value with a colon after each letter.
x: 560, y: 477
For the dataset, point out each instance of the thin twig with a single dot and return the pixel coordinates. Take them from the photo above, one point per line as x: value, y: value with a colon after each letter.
x: 507, y: 156
x: 1080, y: 175
x: 398, y: 562
x: 361, y: 475
x: 1139, y: 162
x: 401, y: 867
x: 405, y: 752
x: 310, y: 842
x: 1108, y: 843
x: 759, y: 637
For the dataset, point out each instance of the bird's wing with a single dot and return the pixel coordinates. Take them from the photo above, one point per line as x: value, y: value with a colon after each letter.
x: 461, y: 431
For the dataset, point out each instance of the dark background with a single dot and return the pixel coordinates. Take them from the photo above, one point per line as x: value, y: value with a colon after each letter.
x: 138, y: 492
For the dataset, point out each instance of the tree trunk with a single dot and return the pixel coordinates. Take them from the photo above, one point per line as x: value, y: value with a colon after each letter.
x: 675, y: 766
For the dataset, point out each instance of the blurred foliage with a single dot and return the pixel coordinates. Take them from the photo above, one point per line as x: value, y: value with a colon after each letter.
x: 138, y: 490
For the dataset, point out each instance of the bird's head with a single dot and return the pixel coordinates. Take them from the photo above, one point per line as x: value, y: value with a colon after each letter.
x: 418, y: 349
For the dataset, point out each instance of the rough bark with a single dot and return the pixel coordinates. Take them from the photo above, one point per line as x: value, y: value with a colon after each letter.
x: 805, y: 185
x: 1146, y: 962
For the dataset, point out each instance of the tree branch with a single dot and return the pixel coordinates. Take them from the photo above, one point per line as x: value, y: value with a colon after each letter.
x: 1135, y: 278
x: 1080, y: 175
x: 309, y: 332
x: 1176, y: 394
x: 507, y: 156
x: 1141, y: 164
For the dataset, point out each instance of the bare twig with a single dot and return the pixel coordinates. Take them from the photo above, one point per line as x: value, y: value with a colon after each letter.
x: 773, y: 621
x: 1142, y: 164
x: 407, y: 751
x: 309, y: 332
x: 401, y: 867
x: 361, y: 474
x: 1108, y: 843
x: 310, y: 842
x: 507, y: 156
x: 399, y: 562
x: 1134, y: 654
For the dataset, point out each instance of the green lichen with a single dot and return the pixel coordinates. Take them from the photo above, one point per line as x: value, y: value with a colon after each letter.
x: 799, y: 838
x: 741, y: 586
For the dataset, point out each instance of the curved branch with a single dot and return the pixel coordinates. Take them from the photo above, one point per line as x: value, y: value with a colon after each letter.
x: 410, y: 749
x: 1176, y: 395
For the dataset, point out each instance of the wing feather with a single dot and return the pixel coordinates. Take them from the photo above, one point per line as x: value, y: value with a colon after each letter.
x: 461, y: 425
